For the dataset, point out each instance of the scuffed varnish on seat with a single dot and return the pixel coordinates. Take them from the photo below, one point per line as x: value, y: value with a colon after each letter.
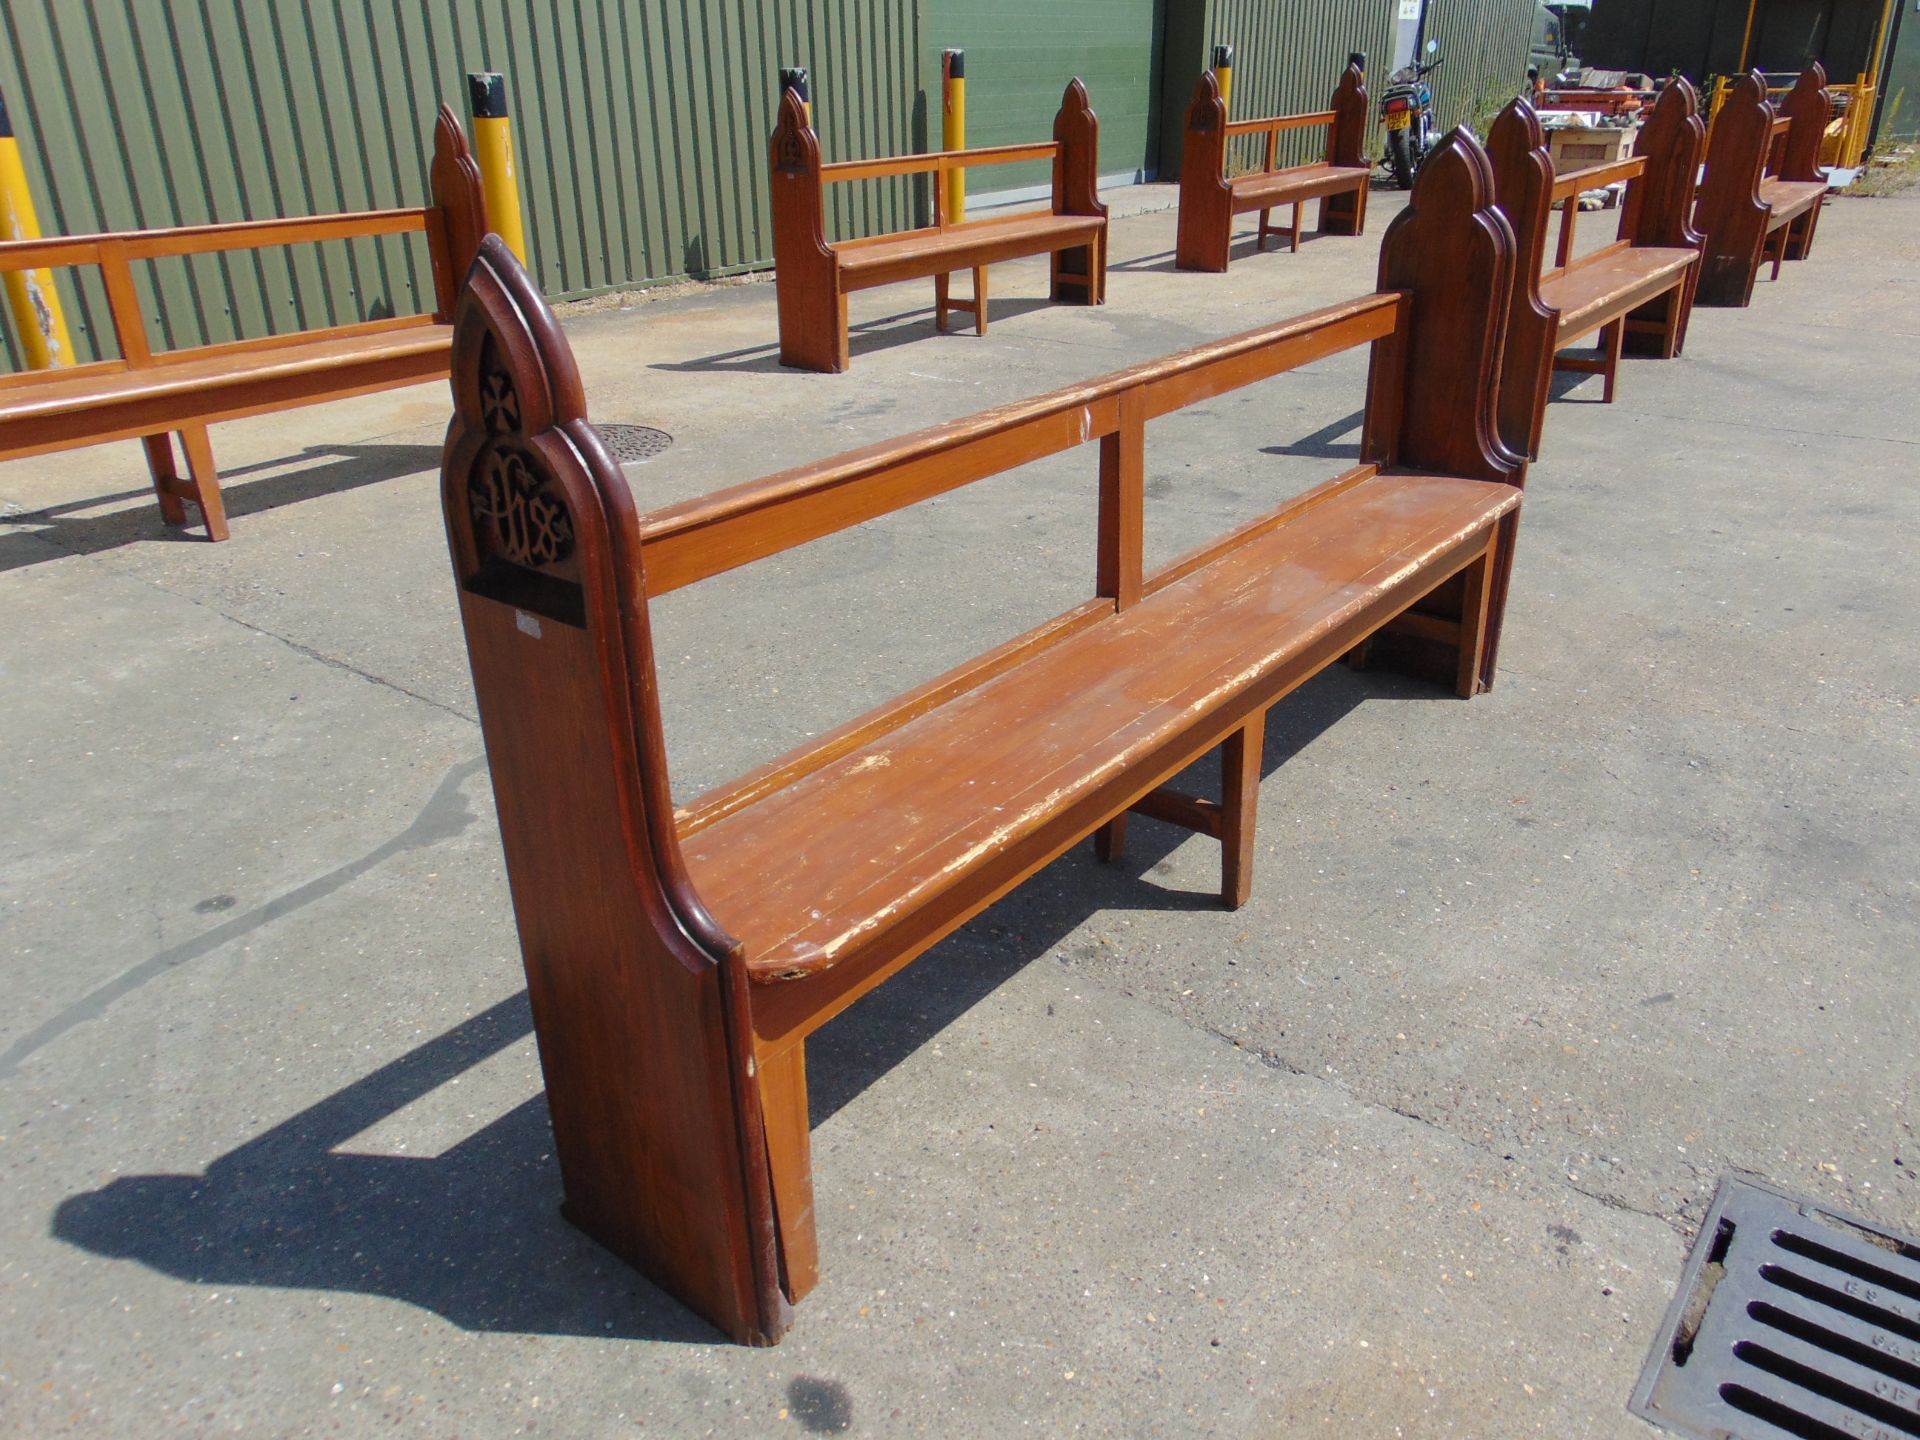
x: 959, y: 788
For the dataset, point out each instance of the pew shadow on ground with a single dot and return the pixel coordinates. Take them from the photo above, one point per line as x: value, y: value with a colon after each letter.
x: 1336, y: 440
x: 316, y: 472
x: 1566, y: 382
x: 869, y: 337
x: 474, y: 1234
x: 1244, y: 245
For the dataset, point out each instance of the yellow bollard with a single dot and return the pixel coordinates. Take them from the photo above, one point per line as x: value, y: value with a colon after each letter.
x: 953, y: 131
x: 1223, y: 74
x: 36, y: 304
x: 794, y: 77
x: 493, y: 149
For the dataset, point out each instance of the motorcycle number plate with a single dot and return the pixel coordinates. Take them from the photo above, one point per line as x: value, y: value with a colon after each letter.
x: 1399, y: 119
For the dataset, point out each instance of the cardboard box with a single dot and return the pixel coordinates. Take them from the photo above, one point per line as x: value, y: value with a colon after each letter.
x: 1575, y: 147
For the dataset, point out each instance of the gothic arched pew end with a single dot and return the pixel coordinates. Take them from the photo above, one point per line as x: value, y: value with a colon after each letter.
x: 813, y: 276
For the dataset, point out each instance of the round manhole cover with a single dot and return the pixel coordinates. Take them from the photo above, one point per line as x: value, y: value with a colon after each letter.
x: 633, y: 444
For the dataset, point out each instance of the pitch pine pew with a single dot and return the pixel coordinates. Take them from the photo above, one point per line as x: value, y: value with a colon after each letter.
x: 1209, y: 198
x: 1761, y: 197
x: 678, y: 957
x: 147, y: 393
x: 813, y: 276
x: 1635, y: 294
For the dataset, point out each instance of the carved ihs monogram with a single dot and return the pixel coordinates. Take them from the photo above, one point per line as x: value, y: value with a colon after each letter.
x: 515, y: 516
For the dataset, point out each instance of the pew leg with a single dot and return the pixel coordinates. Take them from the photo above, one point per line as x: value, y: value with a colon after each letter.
x: 1260, y: 237
x: 1079, y: 273
x: 1230, y: 820
x: 1476, y: 607
x: 1683, y: 311
x: 1800, y: 234
x: 1776, y: 250
x: 205, y: 481
x: 1803, y: 231
x: 166, y: 477
x: 783, y: 1100
x: 1499, y: 574
x: 1449, y: 634
x: 979, y: 299
x: 1657, y: 329
x: 1296, y: 228
x: 940, y: 287
x: 1239, y: 804
x: 1344, y: 213
x: 1612, y: 340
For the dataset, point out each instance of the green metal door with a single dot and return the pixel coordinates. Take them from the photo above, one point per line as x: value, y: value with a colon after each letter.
x: 1020, y: 56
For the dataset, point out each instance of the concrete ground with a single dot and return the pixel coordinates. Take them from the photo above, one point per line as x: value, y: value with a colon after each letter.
x: 1414, y: 1144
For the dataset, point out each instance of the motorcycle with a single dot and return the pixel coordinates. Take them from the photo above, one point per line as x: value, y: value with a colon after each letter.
x: 1406, y: 109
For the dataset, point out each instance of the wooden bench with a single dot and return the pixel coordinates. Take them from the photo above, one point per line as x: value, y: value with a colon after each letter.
x: 1761, y: 196
x: 147, y: 393
x: 1209, y: 198
x: 814, y: 277
x: 1635, y: 294
x: 678, y: 957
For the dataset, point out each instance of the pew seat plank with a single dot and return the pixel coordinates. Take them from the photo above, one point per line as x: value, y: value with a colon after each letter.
x: 1787, y: 200
x: 996, y: 778
x: 1597, y: 293
x: 196, y: 388
x: 1298, y: 182
x: 916, y: 256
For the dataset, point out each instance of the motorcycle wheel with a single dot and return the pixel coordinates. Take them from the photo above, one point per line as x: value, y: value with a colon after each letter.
x: 1400, y: 158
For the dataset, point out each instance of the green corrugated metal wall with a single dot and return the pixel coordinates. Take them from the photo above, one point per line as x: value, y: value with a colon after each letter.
x: 640, y: 126
x: 1900, y: 94
x: 1288, y: 54
x: 1485, y: 43
x: 1288, y: 57
x: 1020, y: 56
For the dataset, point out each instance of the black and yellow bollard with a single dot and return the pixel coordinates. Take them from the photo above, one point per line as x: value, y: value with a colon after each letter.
x: 1223, y: 74
x: 37, y: 316
x: 794, y: 78
x: 493, y: 149
x: 953, y: 127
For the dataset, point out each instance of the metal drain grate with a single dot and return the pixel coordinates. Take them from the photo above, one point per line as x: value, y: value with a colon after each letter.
x: 633, y: 444
x: 1793, y: 1322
